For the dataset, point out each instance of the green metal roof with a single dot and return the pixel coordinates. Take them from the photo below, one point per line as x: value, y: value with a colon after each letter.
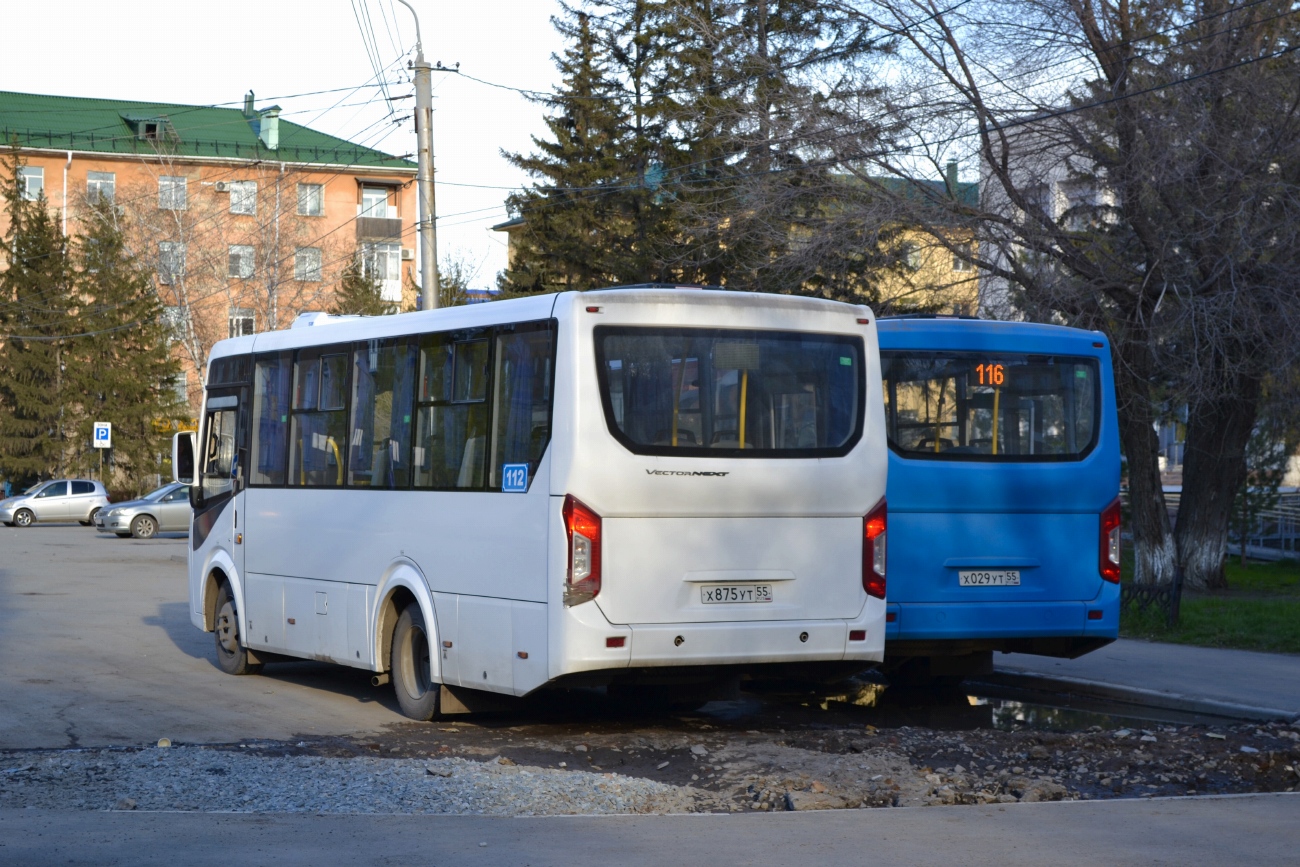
x: 110, y: 126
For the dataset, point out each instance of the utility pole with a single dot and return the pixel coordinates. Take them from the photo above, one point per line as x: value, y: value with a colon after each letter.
x: 424, y: 172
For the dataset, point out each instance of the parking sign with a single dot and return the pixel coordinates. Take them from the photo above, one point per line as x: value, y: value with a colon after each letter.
x: 103, y: 438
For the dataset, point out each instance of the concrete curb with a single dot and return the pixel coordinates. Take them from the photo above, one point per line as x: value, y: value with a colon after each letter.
x: 1135, y: 696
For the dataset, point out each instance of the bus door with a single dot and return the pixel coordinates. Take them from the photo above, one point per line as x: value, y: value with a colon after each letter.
x: 217, y: 499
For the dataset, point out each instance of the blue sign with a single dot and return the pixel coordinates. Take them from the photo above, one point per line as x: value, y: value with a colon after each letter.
x: 514, y: 479
x: 103, y: 435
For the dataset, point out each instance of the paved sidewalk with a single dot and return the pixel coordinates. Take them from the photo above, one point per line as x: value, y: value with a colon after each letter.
x: 1203, y: 678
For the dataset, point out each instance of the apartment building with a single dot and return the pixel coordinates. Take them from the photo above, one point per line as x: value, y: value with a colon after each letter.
x: 245, y: 217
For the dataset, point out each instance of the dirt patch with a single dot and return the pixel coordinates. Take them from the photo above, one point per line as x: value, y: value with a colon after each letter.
x: 827, y: 764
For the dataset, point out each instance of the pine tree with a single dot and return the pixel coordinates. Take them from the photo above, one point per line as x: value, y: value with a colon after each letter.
x: 121, y: 369
x: 35, y: 326
x: 359, y: 294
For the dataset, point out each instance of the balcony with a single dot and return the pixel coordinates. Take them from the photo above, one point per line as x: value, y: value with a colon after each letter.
x: 379, y: 229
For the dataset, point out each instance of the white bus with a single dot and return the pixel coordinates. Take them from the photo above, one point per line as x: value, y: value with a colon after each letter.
x: 603, y: 488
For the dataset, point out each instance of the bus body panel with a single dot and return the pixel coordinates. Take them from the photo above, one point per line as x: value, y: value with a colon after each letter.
x: 659, y: 569
x: 1040, y: 518
x: 475, y: 543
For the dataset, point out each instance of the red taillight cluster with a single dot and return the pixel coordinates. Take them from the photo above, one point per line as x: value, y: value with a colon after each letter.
x: 1109, y: 542
x: 873, y: 551
x: 582, y: 526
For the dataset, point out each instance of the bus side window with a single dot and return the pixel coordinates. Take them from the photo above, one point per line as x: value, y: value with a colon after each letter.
x: 380, y: 432
x: 451, y: 415
x: 521, y: 405
x: 271, y: 381
x: 318, y: 422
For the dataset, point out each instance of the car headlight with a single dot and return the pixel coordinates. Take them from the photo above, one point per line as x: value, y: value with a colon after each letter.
x: 112, y: 513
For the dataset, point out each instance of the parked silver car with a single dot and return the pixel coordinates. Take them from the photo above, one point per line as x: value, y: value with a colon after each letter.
x: 167, y: 508
x: 61, y: 500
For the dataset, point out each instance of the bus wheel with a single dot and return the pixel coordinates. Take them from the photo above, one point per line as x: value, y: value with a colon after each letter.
x: 232, y: 656
x: 416, y: 692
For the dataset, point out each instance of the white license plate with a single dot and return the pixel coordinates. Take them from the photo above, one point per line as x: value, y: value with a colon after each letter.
x: 983, y: 578
x: 727, y: 593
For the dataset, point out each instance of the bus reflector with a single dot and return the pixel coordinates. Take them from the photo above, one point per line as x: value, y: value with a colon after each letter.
x: 1109, y: 542
x: 616, y: 641
x: 582, y: 526
x: 857, y: 635
x: 873, y: 551
x: 1095, y: 614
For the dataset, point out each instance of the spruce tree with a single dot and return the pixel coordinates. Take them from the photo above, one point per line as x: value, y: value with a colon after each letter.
x: 121, y: 368
x: 359, y: 294
x: 36, y: 325
x: 691, y: 141
x: 579, y: 230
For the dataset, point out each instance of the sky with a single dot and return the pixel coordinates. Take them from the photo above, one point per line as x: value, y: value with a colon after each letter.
x: 310, y: 58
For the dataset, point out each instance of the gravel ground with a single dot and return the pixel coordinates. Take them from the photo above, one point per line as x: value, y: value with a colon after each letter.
x: 234, y: 780
x: 673, y: 765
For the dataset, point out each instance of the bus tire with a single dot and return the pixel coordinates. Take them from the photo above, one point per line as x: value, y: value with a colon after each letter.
x: 232, y: 656
x: 417, y: 694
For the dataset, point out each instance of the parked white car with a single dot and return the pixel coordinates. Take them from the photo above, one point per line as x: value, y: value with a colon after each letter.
x: 58, y: 501
x: 167, y: 508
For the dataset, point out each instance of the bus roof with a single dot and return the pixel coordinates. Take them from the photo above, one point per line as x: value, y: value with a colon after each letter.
x: 986, y: 335
x: 314, y: 329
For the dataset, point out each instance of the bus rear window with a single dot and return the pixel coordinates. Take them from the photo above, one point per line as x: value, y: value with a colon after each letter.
x: 990, y: 406
x: 716, y: 392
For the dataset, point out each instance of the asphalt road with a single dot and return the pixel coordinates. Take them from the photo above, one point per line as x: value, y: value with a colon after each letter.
x: 96, y: 649
x: 1259, y: 830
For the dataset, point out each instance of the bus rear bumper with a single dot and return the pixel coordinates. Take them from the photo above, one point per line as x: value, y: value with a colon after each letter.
x: 591, y: 643
x: 988, y: 622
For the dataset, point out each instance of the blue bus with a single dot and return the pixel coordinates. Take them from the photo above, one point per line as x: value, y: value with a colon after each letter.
x: 1003, y: 493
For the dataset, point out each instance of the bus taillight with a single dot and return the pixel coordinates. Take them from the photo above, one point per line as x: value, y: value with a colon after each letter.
x: 1109, y: 542
x: 582, y: 527
x: 873, y: 551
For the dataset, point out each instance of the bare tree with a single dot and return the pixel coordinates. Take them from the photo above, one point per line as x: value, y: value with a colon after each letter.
x: 227, y: 244
x: 1140, y: 166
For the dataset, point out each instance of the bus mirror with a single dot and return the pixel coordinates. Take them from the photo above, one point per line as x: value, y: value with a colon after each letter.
x: 183, y: 458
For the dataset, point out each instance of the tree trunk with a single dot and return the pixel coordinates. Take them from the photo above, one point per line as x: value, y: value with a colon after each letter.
x: 1154, y: 553
x: 1218, y: 429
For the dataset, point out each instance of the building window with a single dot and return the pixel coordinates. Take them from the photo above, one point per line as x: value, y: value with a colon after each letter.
x: 241, y: 261
x: 243, y: 197
x: 172, y: 193
x: 383, y: 262
x: 31, y: 182
x: 959, y: 262
x: 311, y: 200
x: 173, y: 320
x: 100, y: 187
x: 179, y: 386
x: 171, y: 261
x: 374, y: 202
x: 242, y: 321
x: 306, y: 264
x: 910, y: 255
